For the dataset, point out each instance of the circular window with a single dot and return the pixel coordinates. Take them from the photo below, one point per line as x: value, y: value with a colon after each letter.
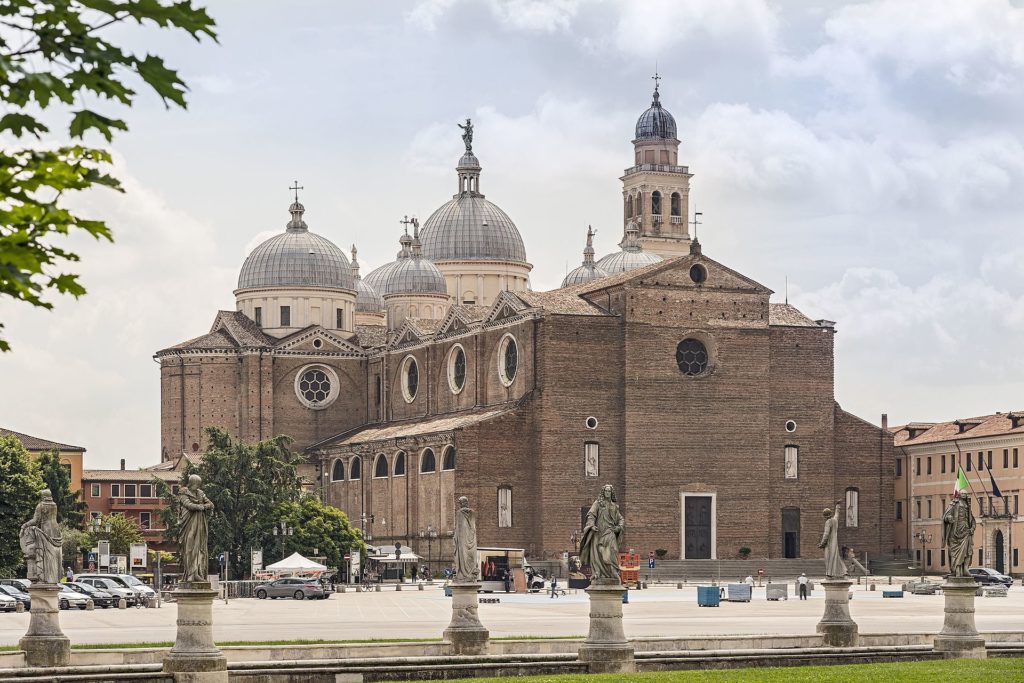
x: 410, y: 379
x: 317, y: 343
x: 591, y: 422
x: 698, y: 273
x: 790, y: 426
x: 457, y: 369
x: 508, y: 359
x: 692, y: 357
x: 316, y: 386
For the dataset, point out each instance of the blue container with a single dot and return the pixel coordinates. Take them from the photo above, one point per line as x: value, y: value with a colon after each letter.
x: 625, y: 597
x: 708, y: 596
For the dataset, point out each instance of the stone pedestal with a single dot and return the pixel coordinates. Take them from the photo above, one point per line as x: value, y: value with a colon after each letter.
x: 44, y: 643
x: 194, y: 657
x: 837, y: 628
x: 959, y: 637
x: 465, y: 632
x: 606, y: 649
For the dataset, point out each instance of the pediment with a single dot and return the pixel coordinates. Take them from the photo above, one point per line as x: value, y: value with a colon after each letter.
x: 454, y: 324
x: 718, y: 276
x: 316, y: 339
x: 506, y: 306
x: 406, y: 335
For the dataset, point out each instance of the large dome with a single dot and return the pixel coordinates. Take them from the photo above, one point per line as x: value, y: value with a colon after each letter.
x: 583, y: 273
x: 471, y: 228
x: 415, y: 275
x: 296, y: 258
x: 621, y: 261
x: 656, y: 123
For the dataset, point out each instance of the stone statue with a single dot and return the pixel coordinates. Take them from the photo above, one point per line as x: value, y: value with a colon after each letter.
x: 193, y: 532
x: 41, y: 541
x: 467, y: 569
x: 601, y: 535
x: 467, y: 135
x: 835, y: 568
x: 958, y: 535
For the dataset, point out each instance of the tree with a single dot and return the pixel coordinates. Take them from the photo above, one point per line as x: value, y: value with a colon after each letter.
x: 321, y: 526
x: 59, y: 59
x: 71, y: 508
x: 123, y: 532
x: 20, y: 485
x: 75, y: 540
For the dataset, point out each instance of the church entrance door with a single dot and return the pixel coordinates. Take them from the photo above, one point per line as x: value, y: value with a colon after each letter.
x: 999, y: 553
x: 697, y: 527
x: 791, y: 533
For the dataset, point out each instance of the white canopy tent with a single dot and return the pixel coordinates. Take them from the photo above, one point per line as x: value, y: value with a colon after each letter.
x: 386, y: 553
x: 296, y: 563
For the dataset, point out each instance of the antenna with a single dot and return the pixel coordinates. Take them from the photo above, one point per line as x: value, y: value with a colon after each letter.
x: 787, y: 289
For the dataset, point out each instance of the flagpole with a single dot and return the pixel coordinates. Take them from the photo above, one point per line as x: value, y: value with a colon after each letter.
x: 959, y: 467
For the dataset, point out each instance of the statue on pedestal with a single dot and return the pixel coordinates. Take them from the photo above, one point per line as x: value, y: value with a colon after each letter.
x: 601, y: 536
x: 835, y: 568
x: 467, y: 569
x: 194, y: 510
x: 958, y: 535
x: 41, y: 541
x: 467, y: 135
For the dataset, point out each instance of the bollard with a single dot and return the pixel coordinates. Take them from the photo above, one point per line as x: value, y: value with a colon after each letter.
x: 679, y: 586
x: 122, y: 604
x: 89, y: 606
x: 398, y: 587
x: 871, y: 587
x: 359, y: 588
x: 645, y: 584
x: 625, y: 597
x: 376, y: 588
x: 890, y: 580
x: 421, y: 586
x: 339, y: 589
x: 19, y: 607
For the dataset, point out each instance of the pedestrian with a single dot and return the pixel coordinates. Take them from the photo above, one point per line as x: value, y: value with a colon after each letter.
x: 554, y: 586
x: 69, y: 575
x: 415, y: 573
x: 749, y: 580
x: 803, y: 586
x: 507, y: 579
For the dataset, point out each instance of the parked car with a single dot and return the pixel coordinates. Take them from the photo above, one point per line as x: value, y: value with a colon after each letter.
x: 7, y: 603
x: 140, y: 591
x: 112, y: 587
x: 100, y: 598
x: 67, y: 598
x: 291, y: 587
x: 20, y: 584
x: 987, y: 577
x: 18, y: 594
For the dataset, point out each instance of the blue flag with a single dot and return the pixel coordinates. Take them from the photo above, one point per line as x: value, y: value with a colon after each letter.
x: 995, y: 489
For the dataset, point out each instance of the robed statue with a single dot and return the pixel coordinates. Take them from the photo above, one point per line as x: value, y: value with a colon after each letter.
x: 194, y: 510
x: 958, y: 535
x: 467, y: 570
x: 41, y: 541
x: 835, y: 568
x: 601, y: 536
x: 467, y: 135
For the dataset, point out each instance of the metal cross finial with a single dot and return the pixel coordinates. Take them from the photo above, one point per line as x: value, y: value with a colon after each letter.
x: 696, y: 221
x: 406, y: 222
x: 296, y: 187
x: 656, y: 78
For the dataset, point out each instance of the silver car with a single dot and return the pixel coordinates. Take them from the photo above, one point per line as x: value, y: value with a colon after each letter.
x: 291, y: 587
x: 112, y: 587
x: 68, y: 598
x: 7, y: 603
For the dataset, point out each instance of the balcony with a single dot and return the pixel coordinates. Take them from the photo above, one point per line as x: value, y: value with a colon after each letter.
x: 675, y: 220
x: 136, y: 503
x: 663, y: 168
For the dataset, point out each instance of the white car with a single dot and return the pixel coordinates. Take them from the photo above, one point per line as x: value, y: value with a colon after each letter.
x: 108, y: 584
x: 7, y: 603
x: 68, y: 598
x: 140, y: 592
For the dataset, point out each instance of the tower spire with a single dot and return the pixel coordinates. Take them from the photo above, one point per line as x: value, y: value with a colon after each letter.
x: 588, y: 251
x: 355, y: 264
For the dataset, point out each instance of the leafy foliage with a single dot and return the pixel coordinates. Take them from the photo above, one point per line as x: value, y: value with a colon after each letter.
x: 75, y: 540
x: 20, y: 485
x: 319, y: 526
x: 56, y: 57
x: 71, y: 508
x: 123, y: 532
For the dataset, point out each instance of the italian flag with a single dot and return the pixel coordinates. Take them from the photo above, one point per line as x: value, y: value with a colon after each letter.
x: 960, y: 485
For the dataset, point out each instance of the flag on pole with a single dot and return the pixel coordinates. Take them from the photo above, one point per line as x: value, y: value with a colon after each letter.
x: 995, y: 489
x: 960, y: 485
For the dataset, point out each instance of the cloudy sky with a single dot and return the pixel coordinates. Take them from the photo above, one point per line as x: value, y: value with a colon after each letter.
x: 870, y: 152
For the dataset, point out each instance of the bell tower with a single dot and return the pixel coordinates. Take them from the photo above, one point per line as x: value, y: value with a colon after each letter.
x: 656, y: 189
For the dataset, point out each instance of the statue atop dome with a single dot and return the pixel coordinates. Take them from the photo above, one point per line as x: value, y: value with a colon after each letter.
x: 467, y: 135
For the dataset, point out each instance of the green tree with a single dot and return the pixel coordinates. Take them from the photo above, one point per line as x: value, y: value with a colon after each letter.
x: 321, y: 526
x: 59, y: 59
x: 20, y: 485
x: 75, y: 540
x: 123, y: 532
x: 71, y: 508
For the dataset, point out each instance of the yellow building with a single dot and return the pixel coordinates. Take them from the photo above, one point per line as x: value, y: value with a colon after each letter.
x: 70, y: 456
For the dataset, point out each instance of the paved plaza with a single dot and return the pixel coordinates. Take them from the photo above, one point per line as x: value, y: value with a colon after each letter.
x: 658, y: 611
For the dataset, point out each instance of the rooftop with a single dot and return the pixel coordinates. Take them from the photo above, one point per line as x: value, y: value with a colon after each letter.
x: 35, y: 443
x: 998, y: 424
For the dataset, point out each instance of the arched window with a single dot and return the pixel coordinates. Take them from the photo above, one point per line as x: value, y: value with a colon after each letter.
x: 852, y: 505
x: 338, y: 471
x: 677, y: 203
x: 448, y: 461
x: 656, y: 203
x: 355, y: 470
x: 427, y: 462
x: 400, y: 464
x: 629, y: 206
x: 380, y: 469
x: 469, y: 298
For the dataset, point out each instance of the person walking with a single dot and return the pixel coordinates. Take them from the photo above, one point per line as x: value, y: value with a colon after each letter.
x: 507, y: 579
x: 69, y: 575
x: 554, y: 586
x: 803, y: 586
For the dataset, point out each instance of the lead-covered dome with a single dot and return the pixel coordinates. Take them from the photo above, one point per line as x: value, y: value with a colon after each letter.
x: 588, y: 270
x: 296, y: 258
x: 656, y: 123
x: 368, y: 299
x: 415, y: 275
x: 631, y: 256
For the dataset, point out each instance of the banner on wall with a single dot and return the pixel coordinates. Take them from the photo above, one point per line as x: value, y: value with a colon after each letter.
x: 137, y: 552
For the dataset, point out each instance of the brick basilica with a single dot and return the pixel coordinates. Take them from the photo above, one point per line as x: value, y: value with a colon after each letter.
x: 656, y: 369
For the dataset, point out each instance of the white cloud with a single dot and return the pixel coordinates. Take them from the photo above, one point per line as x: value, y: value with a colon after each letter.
x: 426, y: 13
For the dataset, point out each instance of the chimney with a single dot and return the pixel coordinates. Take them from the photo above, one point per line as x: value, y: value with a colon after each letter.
x: 122, y: 463
x: 885, y: 421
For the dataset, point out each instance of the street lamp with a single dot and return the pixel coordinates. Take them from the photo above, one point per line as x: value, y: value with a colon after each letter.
x: 925, y: 539
x: 283, y: 530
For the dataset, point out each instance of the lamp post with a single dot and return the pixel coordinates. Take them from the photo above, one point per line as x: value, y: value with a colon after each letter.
x: 283, y: 530
x: 925, y: 539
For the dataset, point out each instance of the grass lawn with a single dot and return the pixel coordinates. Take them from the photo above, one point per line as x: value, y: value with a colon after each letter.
x: 909, y: 672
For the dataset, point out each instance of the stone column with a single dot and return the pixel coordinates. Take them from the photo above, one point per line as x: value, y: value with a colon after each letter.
x: 194, y: 657
x: 606, y: 649
x: 44, y: 643
x: 959, y: 637
x: 836, y: 627
x: 465, y: 632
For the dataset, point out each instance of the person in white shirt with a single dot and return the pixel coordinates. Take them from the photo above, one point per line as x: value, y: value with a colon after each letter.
x: 749, y: 580
x: 803, y: 586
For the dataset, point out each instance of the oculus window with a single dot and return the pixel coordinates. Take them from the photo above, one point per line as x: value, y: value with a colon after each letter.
x: 508, y: 359
x: 316, y: 386
x: 692, y: 357
x: 410, y: 379
x: 457, y: 369
x: 698, y: 273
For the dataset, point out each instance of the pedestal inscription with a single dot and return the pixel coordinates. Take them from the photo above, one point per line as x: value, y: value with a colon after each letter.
x: 959, y: 636
x: 606, y: 649
x: 465, y: 632
x: 44, y: 643
x: 837, y: 627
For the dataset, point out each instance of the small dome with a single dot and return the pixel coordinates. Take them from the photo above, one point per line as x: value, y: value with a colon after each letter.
x: 378, y: 277
x: 656, y: 123
x: 621, y: 261
x: 469, y: 160
x: 414, y: 276
x: 367, y: 299
x: 471, y: 228
x: 296, y: 258
x: 583, y: 273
